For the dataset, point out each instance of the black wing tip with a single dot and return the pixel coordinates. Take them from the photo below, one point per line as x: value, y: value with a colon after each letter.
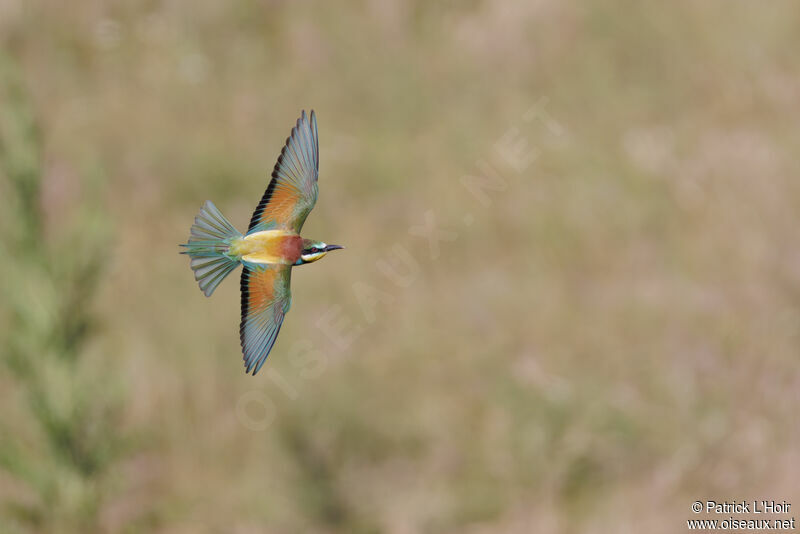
x: 253, y: 365
x: 310, y: 119
x: 294, y: 135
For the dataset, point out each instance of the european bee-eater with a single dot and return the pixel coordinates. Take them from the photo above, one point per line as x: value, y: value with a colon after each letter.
x: 269, y: 249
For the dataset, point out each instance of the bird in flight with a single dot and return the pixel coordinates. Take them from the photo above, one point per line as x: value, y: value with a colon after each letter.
x: 269, y: 249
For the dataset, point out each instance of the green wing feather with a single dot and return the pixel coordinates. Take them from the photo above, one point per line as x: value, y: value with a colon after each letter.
x: 292, y: 192
x: 266, y: 298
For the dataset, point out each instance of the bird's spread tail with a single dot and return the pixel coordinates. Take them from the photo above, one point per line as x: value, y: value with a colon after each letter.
x: 208, y: 248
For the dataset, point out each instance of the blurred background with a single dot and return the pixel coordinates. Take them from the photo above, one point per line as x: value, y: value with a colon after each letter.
x: 570, y: 299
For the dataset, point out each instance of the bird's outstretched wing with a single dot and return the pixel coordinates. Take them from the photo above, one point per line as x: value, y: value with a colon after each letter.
x: 266, y: 298
x: 292, y: 192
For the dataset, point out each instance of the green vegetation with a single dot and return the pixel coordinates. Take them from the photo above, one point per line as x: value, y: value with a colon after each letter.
x: 59, y: 443
x: 606, y: 335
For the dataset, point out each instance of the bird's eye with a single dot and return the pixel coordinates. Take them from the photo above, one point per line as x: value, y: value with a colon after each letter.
x: 314, y: 250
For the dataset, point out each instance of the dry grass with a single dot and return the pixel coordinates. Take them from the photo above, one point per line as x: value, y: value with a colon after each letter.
x: 613, y: 337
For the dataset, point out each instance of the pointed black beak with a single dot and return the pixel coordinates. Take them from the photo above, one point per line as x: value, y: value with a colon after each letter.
x: 332, y: 247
